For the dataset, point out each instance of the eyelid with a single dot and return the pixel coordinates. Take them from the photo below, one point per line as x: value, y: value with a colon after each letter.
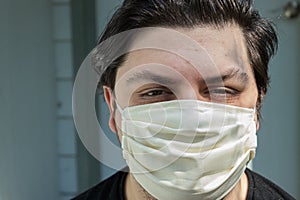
x: 225, y: 89
x: 163, y: 90
x: 143, y: 97
x: 222, y: 91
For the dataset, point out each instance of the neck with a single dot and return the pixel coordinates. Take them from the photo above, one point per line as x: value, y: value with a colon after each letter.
x: 134, y: 191
x: 239, y: 192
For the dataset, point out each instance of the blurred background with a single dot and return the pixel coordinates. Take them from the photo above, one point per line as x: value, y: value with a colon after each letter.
x: 42, y: 44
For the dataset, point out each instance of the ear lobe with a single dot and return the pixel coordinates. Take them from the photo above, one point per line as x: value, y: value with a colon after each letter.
x: 258, y: 106
x: 109, y: 98
x: 256, y: 117
x: 257, y: 124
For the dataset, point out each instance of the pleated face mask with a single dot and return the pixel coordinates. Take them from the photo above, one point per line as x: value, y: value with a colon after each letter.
x: 188, y: 149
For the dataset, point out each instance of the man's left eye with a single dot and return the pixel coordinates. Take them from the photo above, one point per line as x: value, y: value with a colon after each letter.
x: 223, y: 92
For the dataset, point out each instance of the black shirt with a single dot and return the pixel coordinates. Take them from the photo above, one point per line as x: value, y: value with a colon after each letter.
x: 112, y: 188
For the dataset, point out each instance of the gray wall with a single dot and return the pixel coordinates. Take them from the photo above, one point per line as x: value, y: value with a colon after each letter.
x: 278, y: 155
x: 28, y: 167
x: 104, y: 11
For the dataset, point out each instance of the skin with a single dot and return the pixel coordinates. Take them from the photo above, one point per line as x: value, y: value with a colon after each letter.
x: 226, y: 48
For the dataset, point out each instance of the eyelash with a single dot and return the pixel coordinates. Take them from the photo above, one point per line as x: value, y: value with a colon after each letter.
x: 155, y: 93
x: 218, y: 94
x: 222, y: 92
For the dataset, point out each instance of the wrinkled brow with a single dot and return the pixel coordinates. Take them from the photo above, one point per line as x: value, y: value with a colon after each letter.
x: 233, y: 73
x: 149, y: 76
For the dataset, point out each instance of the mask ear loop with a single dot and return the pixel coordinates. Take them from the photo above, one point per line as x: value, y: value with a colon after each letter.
x: 122, y: 125
x: 116, y: 103
x: 119, y: 107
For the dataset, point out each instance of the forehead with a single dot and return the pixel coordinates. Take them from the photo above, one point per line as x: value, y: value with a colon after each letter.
x: 218, y: 50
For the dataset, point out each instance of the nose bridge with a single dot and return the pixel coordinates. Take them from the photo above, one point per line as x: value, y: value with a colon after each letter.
x: 190, y: 91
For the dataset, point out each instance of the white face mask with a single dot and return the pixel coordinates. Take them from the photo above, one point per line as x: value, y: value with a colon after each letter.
x: 188, y: 149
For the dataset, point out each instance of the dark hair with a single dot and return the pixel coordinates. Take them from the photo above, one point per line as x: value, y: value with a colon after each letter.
x: 259, y: 34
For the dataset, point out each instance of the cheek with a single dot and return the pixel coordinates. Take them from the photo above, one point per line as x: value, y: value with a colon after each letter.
x: 249, y: 97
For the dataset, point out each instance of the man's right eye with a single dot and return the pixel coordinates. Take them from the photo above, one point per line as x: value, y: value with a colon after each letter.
x: 153, y: 93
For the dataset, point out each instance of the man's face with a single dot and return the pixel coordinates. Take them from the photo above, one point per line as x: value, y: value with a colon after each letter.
x: 222, y: 74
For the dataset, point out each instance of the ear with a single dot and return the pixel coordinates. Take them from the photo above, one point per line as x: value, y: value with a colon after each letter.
x: 256, y: 121
x: 258, y: 107
x: 109, y: 98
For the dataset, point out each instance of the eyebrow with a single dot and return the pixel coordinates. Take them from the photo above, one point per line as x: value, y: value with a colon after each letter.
x: 232, y: 73
x: 147, y: 75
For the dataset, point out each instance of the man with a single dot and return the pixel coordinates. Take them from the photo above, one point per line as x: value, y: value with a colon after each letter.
x: 186, y: 106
